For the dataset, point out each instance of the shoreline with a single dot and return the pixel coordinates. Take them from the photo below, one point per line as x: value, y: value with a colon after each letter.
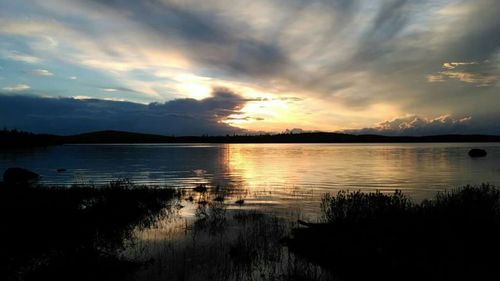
x: 13, y: 139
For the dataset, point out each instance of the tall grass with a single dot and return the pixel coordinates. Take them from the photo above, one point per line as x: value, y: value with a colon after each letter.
x: 246, y: 245
x: 356, y: 207
x: 60, y: 233
x: 454, y: 236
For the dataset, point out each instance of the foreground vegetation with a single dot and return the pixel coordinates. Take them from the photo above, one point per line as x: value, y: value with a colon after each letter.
x: 455, y: 236
x: 126, y: 232
x: 222, y: 243
x: 60, y: 233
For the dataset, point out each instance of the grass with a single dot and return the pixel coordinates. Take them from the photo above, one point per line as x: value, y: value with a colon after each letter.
x: 230, y: 246
x: 60, y: 233
x: 220, y: 241
x: 454, y: 236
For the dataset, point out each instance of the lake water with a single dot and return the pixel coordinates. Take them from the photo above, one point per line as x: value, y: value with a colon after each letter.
x: 268, y: 174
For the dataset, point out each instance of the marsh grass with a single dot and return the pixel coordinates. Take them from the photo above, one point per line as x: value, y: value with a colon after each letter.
x: 387, y: 236
x: 223, y: 244
x: 60, y: 233
x: 357, y: 207
x: 211, y: 216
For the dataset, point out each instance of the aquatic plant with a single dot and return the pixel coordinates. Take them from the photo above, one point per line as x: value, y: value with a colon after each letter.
x: 248, y: 247
x: 211, y: 215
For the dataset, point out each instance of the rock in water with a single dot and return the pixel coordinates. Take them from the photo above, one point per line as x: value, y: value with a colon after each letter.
x: 476, y: 152
x: 19, y: 175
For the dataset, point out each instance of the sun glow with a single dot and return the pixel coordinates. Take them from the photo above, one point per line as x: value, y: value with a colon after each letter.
x: 258, y: 111
x: 268, y: 114
x: 196, y: 90
x: 196, y: 87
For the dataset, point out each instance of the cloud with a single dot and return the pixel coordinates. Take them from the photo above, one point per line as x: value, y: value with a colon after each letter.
x: 116, y: 89
x: 453, y: 65
x: 83, y: 114
x: 216, y: 108
x: 16, y: 88
x: 413, y: 125
x: 42, y: 72
x: 432, y: 78
x: 345, y: 59
x: 18, y: 56
x: 480, y: 74
x: 205, y: 36
x: 481, y: 80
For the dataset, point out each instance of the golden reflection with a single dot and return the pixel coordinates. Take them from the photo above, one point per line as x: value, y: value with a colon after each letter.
x: 289, y: 172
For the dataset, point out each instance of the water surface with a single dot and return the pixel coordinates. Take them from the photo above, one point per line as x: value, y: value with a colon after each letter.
x: 268, y: 174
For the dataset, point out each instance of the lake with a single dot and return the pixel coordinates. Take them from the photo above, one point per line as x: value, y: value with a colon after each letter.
x: 274, y: 175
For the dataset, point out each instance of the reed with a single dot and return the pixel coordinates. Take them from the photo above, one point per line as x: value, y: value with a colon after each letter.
x: 453, y: 236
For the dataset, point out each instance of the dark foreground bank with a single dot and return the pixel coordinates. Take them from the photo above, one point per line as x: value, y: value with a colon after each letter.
x: 78, y: 233
x: 374, y: 236
x: 59, y: 233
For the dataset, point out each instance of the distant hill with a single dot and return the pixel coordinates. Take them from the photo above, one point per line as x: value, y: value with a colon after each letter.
x: 116, y: 137
x: 24, y: 139
x: 316, y: 137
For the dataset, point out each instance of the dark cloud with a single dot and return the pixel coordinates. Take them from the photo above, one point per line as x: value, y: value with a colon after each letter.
x: 390, y: 19
x: 222, y: 104
x: 206, y: 36
x: 478, y: 38
x: 72, y: 116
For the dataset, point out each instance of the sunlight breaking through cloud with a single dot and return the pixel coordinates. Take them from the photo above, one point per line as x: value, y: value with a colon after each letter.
x: 347, y: 64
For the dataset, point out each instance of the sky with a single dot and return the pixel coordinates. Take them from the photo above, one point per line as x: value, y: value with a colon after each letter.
x: 214, y: 67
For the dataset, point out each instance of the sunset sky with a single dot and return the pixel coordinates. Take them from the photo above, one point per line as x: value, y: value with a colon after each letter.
x: 222, y: 67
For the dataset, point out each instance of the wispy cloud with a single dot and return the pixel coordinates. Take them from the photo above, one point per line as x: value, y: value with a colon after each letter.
x: 435, y: 78
x: 17, y: 88
x: 42, y: 72
x: 18, y: 56
x: 468, y: 72
x: 109, y: 89
x: 453, y: 65
x: 118, y: 89
x: 479, y: 79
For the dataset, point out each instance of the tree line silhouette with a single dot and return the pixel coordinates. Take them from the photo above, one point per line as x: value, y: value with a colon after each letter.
x: 16, y: 138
